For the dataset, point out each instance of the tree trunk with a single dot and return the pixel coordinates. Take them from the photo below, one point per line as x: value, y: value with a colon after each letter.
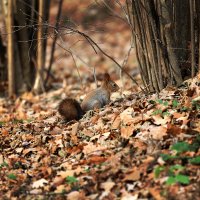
x: 167, y: 40
x: 10, y: 50
x: 41, y: 45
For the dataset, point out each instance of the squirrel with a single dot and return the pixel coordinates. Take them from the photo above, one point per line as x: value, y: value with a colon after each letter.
x: 70, y: 109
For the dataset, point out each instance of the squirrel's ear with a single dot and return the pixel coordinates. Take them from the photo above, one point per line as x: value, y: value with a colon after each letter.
x: 106, y: 77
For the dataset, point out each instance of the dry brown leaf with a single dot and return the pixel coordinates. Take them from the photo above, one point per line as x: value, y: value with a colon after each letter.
x: 134, y: 175
x: 75, y: 195
x: 39, y: 183
x: 1, y: 159
x: 173, y: 129
x: 107, y: 186
x: 4, y: 132
x: 66, y: 173
x: 94, y: 119
x: 158, y: 120
x: 116, y: 123
x: 91, y: 148
x: 60, y: 188
x: 58, y: 180
x: 96, y: 160
x: 154, y: 132
x: 75, y: 128
x: 184, y: 119
x: 126, y: 115
x: 104, y: 136
x: 177, y: 115
x: 3, y: 110
x: 26, y: 151
x: 127, y: 131
x: 158, y: 133
x: 156, y: 193
x: 128, y: 196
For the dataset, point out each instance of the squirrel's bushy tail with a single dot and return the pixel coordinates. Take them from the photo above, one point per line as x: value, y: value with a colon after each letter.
x: 70, y: 109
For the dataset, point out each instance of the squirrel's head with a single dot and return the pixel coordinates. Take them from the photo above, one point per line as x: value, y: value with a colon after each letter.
x: 111, y: 85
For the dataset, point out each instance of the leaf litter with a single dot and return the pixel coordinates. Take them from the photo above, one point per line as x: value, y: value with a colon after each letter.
x: 111, y: 154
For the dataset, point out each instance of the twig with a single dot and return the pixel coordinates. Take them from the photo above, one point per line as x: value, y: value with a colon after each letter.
x: 54, y: 42
x: 94, y: 44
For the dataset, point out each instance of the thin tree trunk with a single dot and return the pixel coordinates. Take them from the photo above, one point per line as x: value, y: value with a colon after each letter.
x: 54, y: 41
x: 192, y: 37
x: 10, y: 50
x: 39, y: 84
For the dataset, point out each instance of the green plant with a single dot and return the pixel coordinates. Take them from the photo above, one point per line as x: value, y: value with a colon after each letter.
x: 71, y: 179
x: 175, y: 103
x: 158, y: 170
x: 175, y: 172
x: 2, y: 123
x: 179, y: 178
x: 157, y: 112
x: 195, y: 160
x: 181, y: 147
x: 12, y: 176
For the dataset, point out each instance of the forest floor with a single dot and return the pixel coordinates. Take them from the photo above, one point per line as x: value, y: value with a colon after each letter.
x: 137, y: 147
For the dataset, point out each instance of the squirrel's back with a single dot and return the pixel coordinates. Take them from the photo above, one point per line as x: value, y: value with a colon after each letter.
x: 95, y: 99
x: 70, y: 109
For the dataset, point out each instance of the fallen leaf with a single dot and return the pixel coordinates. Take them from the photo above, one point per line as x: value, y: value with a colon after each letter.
x: 127, y: 131
x: 134, y: 175
x: 91, y: 148
x: 158, y: 120
x: 39, y: 183
x: 116, y: 123
x: 107, y: 186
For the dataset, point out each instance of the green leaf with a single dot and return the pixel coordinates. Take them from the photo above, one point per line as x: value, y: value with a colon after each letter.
x: 12, y: 176
x: 171, y: 180
x: 166, y: 157
x: 160, y: 101
x: 2, y: 123
x: 195, y: 161
x: 175, y: 103
x: 165, y: 103
x: 156, y: 112
x: 184, y: 109
x: 71, y: 179
x: 181, y: 147
x: 176, y: 167
x: 182, y: 179
x: 157, y: 171
x: 166, y: 113
x: 195, y: 144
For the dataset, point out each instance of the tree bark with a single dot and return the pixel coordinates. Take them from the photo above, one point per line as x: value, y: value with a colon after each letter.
x: 41, y: 45
x: 167, y: 23
x: 10, y: 49
x: 39, y: 82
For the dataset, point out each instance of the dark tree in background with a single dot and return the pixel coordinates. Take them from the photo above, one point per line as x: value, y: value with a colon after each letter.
x: 167, y: 39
